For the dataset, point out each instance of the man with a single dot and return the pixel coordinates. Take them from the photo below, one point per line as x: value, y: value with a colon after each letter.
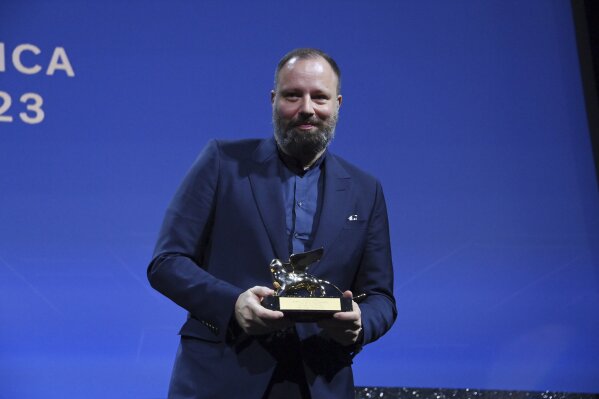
x: 246, y: 202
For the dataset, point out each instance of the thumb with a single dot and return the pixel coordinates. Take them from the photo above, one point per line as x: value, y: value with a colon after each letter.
x: 348, y: 294
x: 261, y: 291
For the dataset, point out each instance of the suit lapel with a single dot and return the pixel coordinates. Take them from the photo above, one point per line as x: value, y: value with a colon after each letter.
x: 336, y: 199
x: 266, y: 188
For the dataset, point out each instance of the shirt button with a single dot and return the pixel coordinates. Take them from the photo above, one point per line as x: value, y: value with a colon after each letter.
x: 300, y: 203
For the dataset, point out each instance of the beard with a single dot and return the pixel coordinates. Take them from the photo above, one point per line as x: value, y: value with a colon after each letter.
x: 303, y: 145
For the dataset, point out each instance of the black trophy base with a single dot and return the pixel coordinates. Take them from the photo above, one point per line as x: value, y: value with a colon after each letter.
x: 307, y: 309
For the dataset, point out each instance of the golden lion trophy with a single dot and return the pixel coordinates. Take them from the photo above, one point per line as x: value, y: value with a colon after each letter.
x: 303, y: 296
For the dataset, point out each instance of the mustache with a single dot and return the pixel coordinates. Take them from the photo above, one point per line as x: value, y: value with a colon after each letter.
x: 304, y: 121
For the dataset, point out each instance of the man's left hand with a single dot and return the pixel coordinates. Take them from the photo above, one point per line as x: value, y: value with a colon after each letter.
x: 344, y: 327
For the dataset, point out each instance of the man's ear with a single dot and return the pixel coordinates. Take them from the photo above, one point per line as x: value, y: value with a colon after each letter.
x: 339, y: 100
x: 272, y: 96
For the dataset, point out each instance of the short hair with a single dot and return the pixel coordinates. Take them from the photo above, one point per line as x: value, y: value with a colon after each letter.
x: 307, y: 53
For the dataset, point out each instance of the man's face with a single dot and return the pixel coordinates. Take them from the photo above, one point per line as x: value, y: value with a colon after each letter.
x: 305, y: 107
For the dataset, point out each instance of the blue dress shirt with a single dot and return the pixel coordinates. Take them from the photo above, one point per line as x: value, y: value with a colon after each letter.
x: 302, y: 197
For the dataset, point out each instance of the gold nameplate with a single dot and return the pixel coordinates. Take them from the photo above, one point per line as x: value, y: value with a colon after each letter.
x: 307, y: 309
x: 310, y: 304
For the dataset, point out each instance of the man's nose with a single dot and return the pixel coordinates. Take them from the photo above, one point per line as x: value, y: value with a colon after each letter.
x: 307, y: 107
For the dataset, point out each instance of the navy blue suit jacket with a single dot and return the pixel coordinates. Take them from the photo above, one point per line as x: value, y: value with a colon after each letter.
x: 222, y: 229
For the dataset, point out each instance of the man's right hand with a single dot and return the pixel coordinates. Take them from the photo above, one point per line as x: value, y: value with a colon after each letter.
x: 253, y: 318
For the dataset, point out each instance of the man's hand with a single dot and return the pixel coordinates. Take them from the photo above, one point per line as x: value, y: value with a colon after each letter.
x: 344, y: 327
x: 253, y: 318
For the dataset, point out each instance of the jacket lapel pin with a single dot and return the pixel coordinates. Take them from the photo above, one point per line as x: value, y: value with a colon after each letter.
x: 352, y: 218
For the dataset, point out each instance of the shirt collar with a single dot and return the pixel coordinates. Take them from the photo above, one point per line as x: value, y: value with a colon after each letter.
x: 295, y: 166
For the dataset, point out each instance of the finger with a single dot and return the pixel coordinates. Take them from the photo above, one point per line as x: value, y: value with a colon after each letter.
x: 260, y: 311
x: 347, y: 316
x: 348, y: 294
x: 261, y: 291
x: 272, y: 315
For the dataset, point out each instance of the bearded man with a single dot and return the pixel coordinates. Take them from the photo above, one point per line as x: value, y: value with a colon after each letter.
x: 246, y: 202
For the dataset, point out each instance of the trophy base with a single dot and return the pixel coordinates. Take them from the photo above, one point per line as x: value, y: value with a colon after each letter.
x: 307, y: 309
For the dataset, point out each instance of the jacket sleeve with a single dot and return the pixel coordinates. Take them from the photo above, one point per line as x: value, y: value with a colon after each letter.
x: 375, y: 275
x: 177, y: 267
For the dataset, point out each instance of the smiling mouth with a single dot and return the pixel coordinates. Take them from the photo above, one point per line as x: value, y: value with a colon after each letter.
x: 305, y: 126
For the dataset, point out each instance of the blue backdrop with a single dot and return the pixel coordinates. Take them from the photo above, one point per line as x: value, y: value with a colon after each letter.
x: 471, y: 114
